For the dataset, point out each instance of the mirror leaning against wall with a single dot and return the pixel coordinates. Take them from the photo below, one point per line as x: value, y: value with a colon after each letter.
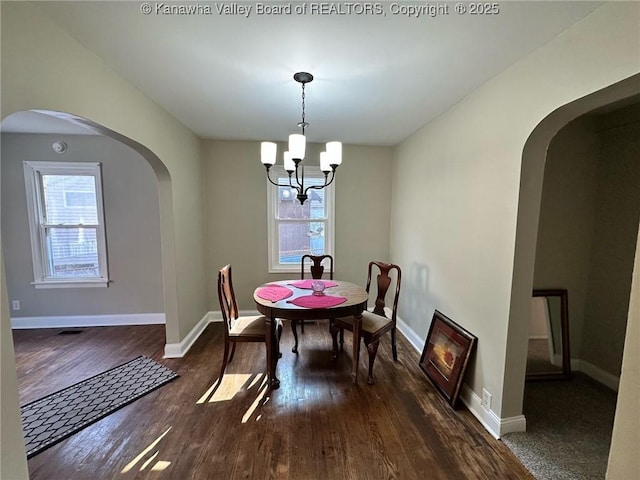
x: 548, y: 357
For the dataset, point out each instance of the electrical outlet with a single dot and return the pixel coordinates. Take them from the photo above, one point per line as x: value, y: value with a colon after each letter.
x: 486, y: 399
x: 15, y: 304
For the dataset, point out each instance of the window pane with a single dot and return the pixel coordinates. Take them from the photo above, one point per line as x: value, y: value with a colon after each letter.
x: 289, y: 206
x: 72, y: 252
x: 70, y: 199
x: 300, y: 238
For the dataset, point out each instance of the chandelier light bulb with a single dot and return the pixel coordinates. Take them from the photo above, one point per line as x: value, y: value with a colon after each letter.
x: 325, y: 166
x: 334, y: 150
x: 297, y: 145
x: 289, y: 165
x: 268, y: 152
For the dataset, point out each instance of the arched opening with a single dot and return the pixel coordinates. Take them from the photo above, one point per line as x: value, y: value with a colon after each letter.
x: 163, y: 292
x: 167, y: 286
x: 535, y: 155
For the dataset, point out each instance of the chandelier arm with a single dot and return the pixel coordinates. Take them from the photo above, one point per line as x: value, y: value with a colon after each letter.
x: 291, y: 185
x: 320, y: 187
x: 279, y: 184
x: 300, y: 186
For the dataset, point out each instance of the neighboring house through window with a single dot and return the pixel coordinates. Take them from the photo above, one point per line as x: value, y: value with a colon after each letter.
x: 293, y: 229
x: 66, y: 221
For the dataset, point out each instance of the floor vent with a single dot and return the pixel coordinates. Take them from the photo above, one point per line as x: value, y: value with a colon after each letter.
x: 70, y: 331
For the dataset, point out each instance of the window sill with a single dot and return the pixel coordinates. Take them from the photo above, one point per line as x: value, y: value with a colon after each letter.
x: 71, y: 284
x: 285, y: 270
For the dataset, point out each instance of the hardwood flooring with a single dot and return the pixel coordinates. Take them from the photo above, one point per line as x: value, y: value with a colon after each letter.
x: 316, y: 426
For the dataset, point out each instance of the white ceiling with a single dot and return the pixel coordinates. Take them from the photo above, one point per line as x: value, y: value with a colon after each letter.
x: 377, y: 78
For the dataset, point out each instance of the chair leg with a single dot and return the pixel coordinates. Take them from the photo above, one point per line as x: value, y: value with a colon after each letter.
x: 233, y: 350
x: 334, y: 336
x: 341, y: 340
x: 393, y: 345
x: 294, y: 329
x: 279, y: 337
x: 372, y: 348
x: 302, y: 326
x: 224, y: 360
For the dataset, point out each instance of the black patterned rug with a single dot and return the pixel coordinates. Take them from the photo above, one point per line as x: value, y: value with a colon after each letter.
x: 63, y: 413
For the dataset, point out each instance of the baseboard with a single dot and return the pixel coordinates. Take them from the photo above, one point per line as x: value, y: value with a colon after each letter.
x: 605, y: 378
x: 179, y: 350
x: 409, y: 334
x: 495, y: 425
x: 88, y: 320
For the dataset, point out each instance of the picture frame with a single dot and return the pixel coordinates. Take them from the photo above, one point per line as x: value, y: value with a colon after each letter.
x: 446, y: 354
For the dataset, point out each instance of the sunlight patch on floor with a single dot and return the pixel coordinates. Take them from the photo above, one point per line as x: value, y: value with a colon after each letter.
x: 231, y: 384
x: 262, y: 391
x: 160, y: 465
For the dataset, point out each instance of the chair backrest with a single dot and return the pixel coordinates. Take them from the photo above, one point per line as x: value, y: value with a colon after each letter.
x: 383, y: 282
x: 317, y: 269
x: 226, y: 297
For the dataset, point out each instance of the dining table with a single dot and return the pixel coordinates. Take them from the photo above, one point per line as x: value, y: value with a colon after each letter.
x: 296, y: 300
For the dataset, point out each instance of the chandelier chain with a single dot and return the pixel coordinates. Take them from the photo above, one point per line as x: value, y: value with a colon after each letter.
x: 303, y: 105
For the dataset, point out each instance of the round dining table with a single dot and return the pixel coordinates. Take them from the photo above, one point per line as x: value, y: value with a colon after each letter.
x: 354, y: 305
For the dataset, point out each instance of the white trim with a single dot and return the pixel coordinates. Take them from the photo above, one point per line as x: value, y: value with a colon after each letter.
x: 179, y: 350
x: 538, y: 337
x: 274, y: 265
x: 414, y: 339
x: 495, y: 425
x: 71, y: 284
x: 596, y: 373
x: 88, y: 320
x: 39, y: 222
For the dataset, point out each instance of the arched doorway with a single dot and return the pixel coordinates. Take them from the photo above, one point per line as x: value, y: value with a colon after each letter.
x: 12, y: 429
x: 167, y: 254
x: 531, y: 180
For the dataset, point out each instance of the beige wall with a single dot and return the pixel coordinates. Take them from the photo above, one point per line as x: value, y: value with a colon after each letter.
x: 132, y: 219
x: 236, y: 214
x: 456, y: 188
x: 13, y: 461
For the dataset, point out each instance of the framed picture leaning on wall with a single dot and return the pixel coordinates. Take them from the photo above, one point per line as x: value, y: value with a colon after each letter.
x: 446, y: 355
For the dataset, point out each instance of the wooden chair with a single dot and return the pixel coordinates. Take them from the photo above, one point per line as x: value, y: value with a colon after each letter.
x: 317, y: 270
x: 374, y: 323
x: 239, y: 329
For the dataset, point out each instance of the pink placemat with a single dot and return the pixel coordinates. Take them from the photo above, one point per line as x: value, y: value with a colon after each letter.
x: 274, y: 293
x: 306, y: 284
x: 317, y: 301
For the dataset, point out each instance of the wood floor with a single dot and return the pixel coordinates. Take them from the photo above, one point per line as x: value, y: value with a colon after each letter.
x: 316, y: 426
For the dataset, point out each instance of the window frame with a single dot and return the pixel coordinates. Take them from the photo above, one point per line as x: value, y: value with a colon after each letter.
x: 33, y: 172
x: 273, y: 240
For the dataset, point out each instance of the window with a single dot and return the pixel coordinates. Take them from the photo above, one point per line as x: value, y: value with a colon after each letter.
x: 293, y: 229
x: 66, y: 221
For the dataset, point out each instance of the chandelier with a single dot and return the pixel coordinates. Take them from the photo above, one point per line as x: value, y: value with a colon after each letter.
x: 329, y: 159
